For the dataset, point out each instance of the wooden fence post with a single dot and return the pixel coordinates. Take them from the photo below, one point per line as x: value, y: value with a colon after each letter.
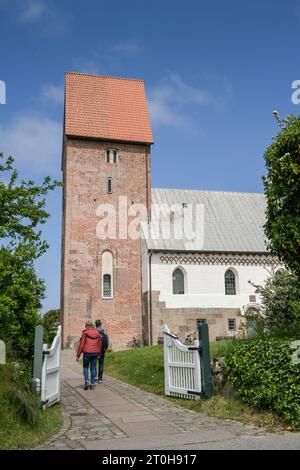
x: 2, y: 352
x: 38, y: 352
x: 206, y: 375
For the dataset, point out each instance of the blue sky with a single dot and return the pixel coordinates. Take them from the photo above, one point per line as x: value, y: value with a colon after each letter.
x: 214, y: 71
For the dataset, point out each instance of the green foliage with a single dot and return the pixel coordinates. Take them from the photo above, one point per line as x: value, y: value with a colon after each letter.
x: 221, y: 348
x: 51, y: 320
x: 22, y: 209
x: 280, y: 302
x: 22, y: 421
x: 16, y: 398
x: 262, y: 372
x: 282, y: 189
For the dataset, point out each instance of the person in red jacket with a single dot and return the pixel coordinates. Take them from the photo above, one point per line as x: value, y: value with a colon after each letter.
x: 90, y: 345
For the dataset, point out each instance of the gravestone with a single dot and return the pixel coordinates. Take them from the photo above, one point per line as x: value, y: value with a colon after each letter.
x: 2, y: 352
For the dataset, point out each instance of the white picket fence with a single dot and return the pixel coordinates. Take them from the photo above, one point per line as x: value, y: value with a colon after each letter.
x: 182, y: 367
x: 50, y: 383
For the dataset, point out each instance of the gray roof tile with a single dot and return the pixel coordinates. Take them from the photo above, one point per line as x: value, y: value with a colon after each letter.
x: 233, y: 222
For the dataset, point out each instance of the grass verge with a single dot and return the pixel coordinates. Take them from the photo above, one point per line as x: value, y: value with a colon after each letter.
x: 23, y: 424
x: 144, y: 368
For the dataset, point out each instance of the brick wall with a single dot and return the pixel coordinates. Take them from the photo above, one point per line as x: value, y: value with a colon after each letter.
x: 85, y: 176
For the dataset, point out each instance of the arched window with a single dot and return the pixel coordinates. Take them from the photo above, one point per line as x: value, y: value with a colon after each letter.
x: 112, y: 156
x: 178, y: 282
x: 107, y: 274
x: 109, y: 185
x: 230, y: 285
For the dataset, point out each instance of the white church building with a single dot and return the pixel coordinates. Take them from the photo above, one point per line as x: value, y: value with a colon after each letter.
x: 211, y: 278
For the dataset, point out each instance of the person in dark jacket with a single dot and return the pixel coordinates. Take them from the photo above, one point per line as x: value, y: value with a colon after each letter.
x: 105, y: 344
x: 90, y: 345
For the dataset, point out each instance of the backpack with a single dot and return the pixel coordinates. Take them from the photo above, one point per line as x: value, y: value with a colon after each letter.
x: 105, y: 340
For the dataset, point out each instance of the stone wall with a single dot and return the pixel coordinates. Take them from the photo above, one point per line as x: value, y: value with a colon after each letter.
x: 183, y: 320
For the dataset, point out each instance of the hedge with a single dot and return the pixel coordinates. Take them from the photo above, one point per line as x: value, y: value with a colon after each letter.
x: 262, y: 373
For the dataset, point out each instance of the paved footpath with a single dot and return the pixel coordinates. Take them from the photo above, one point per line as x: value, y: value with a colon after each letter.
x: 118, y: 416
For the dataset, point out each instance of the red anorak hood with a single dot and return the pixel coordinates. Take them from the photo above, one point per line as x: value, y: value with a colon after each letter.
x: 90, y: 342
x: 91, y: 333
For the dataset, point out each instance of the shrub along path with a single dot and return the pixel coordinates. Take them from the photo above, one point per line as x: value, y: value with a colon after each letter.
x: 120, y: 416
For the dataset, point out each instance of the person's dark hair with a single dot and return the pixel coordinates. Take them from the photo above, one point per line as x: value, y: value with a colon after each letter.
x: 98, y: 323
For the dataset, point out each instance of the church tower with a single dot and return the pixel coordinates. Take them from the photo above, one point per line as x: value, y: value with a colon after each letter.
x: 105, y: 163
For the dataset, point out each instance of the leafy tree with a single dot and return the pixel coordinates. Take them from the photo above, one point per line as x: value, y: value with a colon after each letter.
x: 280, y: 302
x: 22, y: 209
x: 282, y: 189
x: 51, y: 321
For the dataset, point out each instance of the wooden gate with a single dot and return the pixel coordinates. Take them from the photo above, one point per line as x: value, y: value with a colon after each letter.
x: 50, y: 386
x: 182, y: 367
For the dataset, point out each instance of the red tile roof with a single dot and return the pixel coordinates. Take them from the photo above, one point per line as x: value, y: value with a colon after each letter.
x: 106, y: 108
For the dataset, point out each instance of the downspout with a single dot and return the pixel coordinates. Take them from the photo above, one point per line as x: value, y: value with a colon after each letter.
x: 150, y: 302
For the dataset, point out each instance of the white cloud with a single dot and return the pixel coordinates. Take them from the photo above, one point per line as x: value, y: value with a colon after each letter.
x: 32, y: 11
x: 125, y: 48
x: 40, y: 14
x: 35, y: 143
x: 170, y: 100
x: 53, y: 93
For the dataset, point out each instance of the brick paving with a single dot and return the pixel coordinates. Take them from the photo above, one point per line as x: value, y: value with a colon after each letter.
x: 119, y: 416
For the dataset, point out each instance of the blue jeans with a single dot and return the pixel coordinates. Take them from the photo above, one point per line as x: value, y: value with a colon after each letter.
x: 89, y: 360
x: 100, y: 367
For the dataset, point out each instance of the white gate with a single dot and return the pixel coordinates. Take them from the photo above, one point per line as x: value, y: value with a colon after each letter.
x: 182, y: 367
x: 50, y: 386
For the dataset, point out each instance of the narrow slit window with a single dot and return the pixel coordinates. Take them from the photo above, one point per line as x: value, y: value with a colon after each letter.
x: 109, y: 185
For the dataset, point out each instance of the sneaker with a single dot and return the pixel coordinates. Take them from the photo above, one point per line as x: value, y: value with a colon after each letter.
x: 100, y: 381
x: 92, y: 387
x: 86, y: 387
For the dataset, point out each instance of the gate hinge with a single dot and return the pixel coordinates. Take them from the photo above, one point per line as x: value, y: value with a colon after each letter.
x: 191, y: 392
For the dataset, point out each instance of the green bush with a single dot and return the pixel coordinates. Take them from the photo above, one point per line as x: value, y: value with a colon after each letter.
x: 262, y: 373
x: 17, y: 401
x: 23, y: 423
x: 50, y: 323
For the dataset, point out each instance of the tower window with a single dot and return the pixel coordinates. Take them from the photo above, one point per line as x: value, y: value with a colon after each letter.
x: 107, y: 275
x: 112, y: 156
x: 109, y: 185
x: 107, y: 285
x: 230, y: 285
